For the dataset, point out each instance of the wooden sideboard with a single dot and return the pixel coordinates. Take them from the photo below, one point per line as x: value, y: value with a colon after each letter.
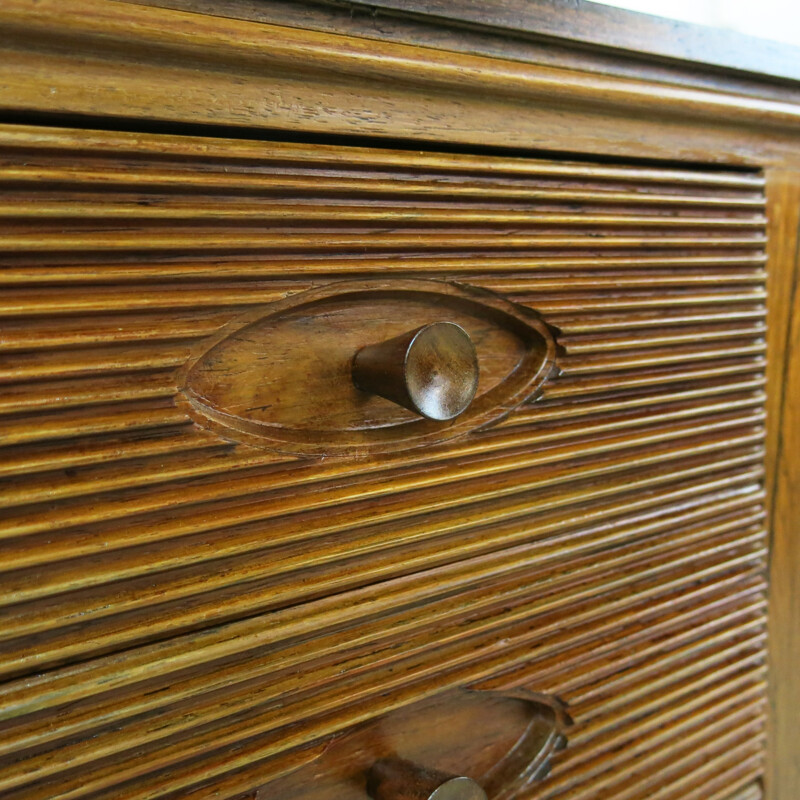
x: 399, y: 400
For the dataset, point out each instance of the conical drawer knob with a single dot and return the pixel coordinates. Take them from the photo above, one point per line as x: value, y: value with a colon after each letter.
x: 432, y: 370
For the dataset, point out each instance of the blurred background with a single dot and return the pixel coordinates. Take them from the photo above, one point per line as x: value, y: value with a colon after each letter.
x: 769, y: 19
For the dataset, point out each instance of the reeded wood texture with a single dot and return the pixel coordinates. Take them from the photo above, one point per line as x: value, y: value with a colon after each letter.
x: 182, y: 615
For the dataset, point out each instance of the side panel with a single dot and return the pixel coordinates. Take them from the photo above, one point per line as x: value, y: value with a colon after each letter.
x: 783, y: 482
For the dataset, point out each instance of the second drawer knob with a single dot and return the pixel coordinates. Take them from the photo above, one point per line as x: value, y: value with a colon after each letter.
x: 397, y: 779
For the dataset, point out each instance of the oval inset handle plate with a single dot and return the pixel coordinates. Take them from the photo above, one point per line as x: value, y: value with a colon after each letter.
x: 282, y: 376
x: 432, y: 371
x: 398, y: 779
x: 503, y: 742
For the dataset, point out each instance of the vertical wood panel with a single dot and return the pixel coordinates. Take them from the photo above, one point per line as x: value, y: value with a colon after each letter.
x: 783, y: 481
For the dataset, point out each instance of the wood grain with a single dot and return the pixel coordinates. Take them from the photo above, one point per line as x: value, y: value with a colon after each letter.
x: 183, y: 615
x: 380, y: 89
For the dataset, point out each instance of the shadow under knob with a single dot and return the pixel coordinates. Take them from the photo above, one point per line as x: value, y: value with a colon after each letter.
x: 432, y: 370
x: 397, y: 779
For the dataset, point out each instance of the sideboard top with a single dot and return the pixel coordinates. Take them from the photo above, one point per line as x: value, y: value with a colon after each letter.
x: 595, y: 28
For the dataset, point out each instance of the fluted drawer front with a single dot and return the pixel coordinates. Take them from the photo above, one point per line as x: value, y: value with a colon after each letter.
x: 188, y: 611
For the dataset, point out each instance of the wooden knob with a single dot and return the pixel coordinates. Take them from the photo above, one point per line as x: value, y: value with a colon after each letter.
x: 397, y: 779
x: 432, y: 370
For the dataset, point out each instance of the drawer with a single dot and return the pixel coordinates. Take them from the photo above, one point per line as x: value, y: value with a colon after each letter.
x: 230, y: 571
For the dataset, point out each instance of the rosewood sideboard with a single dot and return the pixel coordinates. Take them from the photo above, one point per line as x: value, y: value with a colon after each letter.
x: 399, y: 401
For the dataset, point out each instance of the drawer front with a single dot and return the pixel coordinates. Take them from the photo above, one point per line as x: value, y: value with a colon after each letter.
x: 195, y: 609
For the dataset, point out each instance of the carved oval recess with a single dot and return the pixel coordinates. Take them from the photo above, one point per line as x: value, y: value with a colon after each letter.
x: 502, y: 740
x: 280, y: 377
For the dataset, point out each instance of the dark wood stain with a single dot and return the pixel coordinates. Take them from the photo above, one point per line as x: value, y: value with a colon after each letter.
x: 187, y: 613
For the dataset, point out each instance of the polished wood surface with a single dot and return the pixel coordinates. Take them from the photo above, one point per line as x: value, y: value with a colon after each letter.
x: 187, y: 613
